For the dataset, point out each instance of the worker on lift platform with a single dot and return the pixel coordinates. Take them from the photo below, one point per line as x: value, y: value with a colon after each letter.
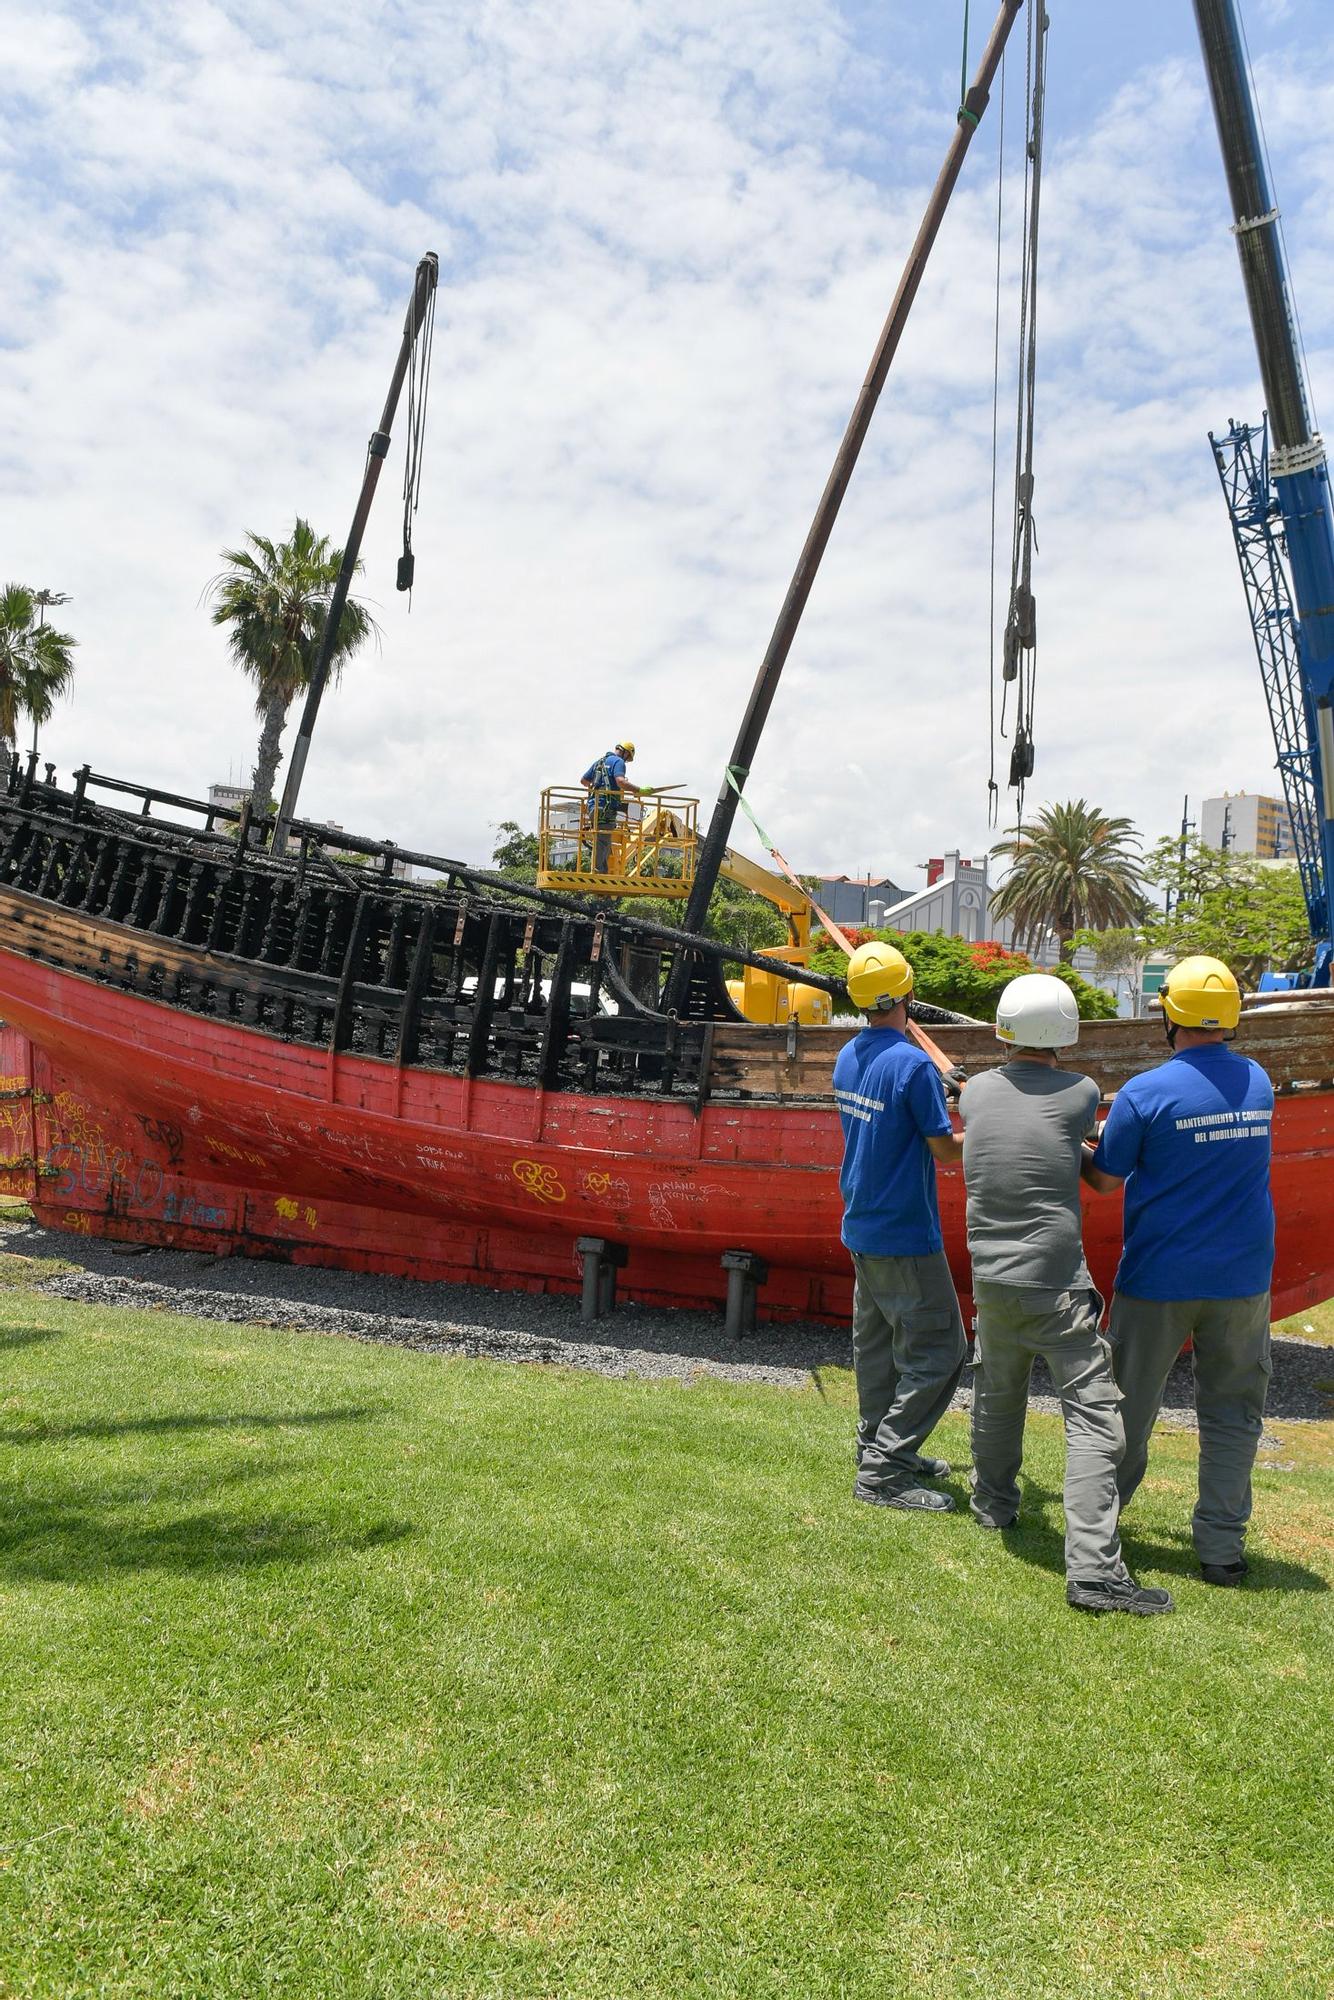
x: 608, y: 789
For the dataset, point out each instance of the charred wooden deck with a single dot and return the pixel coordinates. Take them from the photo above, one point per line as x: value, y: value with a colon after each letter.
x: 459, y: 975
x: 447, y: 975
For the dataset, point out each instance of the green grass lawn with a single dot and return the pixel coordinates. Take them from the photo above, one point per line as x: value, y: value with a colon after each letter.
x: 332, y: 1670
x: 1316, y: 1323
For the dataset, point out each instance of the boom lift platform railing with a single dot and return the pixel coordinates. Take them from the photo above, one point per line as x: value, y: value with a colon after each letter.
x: 597, y: 843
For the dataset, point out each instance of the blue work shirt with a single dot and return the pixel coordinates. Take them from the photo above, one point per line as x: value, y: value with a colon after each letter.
x: 613, y: 768
x: 890, y: 1101
x: 1191, y: 1140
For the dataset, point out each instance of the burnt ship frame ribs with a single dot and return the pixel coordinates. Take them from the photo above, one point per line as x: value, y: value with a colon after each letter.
x: 472, y: 974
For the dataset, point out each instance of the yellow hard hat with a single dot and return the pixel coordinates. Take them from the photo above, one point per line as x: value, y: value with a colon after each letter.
x: 1201, y: 993
x: 626, y: 749
x: 878, y: 975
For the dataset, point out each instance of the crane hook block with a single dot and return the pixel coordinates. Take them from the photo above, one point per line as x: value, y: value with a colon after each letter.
x: 1026, y: 616
x: 1021, y: 758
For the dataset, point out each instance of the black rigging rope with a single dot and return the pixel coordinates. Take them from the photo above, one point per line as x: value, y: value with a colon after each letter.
x: 1019, y: 657
x: 418, y: 385
x: 993, y: 793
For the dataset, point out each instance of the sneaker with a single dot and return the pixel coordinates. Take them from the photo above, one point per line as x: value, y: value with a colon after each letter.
x: 1226, y: 1575
x: 912, y: 1499
x: 986, y: 1521
x: 1123, y: 1594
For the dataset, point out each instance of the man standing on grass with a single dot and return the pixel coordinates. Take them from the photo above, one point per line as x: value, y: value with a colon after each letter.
x: 1024, y: 1127
x: 908, y: 1342
x: 1191, y: 1141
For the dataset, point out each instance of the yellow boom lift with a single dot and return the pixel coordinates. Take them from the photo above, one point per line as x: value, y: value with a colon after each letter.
x: 651, y: 850
x: 764, y: 996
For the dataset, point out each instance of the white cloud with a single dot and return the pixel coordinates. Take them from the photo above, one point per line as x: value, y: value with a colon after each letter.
x: 668, y: 238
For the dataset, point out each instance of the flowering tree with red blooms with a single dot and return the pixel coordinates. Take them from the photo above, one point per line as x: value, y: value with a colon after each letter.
x: 964, y: 974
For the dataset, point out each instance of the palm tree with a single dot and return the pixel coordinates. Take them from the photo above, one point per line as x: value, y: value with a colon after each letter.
x: 274, y: 596
x: 1071, y: 868
x: 36, y: 661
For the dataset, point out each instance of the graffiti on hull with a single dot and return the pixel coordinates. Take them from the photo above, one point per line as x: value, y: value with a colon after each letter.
x: 89, y: 1170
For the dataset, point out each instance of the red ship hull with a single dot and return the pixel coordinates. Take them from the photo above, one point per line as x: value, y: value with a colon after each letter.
x: 123, y: 1117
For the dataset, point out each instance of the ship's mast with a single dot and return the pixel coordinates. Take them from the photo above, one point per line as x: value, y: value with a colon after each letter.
x: 1297, y: 461
x: 808, y: 563
x: 423, y: 291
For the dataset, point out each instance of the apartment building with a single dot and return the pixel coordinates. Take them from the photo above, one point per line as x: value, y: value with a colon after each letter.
x: 1248, y: 823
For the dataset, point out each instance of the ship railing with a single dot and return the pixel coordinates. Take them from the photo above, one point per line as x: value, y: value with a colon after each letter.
x: 451, y: 982
x: 658, y: 860
x: 471, y: 972
x: 448, y: 877
x: 241, y: 825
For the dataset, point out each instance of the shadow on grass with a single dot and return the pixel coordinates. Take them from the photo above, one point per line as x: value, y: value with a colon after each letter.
x: 1038, y: 1537
x: 1177, y: 1556
x: 61, y: 1543
x: 27, y: 1336
x: 112, y: 1427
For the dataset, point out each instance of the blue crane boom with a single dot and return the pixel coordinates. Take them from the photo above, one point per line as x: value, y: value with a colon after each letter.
x: 1242, y: 458
x: 1277, y: 485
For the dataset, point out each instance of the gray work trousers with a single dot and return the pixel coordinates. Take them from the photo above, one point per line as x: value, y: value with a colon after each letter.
x: 908, y: 1349
x: 1232, y: 1367
x: 1014, y: 1324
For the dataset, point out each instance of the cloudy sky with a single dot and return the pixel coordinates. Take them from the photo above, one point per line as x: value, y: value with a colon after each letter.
x: 668, y: 235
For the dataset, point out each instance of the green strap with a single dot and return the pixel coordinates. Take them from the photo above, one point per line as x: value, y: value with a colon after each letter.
x: 830, y: 926
x: 964, y: 112
x: 744, y: 803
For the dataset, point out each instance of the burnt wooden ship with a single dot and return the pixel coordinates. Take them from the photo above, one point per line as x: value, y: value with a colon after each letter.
x: 457, y: 1077
x: 254, y: 1037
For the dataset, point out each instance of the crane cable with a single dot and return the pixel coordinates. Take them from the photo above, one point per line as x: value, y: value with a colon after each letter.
x: 1019, y: 654
x: 419, y: 383
x: 993, y: 792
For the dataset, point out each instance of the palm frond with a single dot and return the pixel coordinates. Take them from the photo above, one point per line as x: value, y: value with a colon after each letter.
x: 36, y: 660
x: 1071, y: 867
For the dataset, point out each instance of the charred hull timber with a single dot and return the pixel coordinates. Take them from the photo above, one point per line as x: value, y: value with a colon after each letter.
x: 216, y: 1049
x: 337, y: 957
x: 474, y: 975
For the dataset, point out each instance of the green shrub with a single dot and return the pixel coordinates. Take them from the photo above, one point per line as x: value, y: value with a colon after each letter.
x: 968, y: 977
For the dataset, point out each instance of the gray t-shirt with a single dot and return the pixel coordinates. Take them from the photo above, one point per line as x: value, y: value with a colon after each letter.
x: 1023, y: 1124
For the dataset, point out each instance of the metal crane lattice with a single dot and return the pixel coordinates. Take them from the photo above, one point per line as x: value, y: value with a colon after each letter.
x: 1242, y: 458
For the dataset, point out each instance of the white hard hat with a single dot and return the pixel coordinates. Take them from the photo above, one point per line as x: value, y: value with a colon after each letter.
x: 1037, y: 1011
